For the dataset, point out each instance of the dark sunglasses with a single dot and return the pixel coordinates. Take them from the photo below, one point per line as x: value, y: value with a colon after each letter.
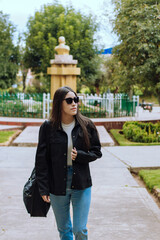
x: 70, y: 100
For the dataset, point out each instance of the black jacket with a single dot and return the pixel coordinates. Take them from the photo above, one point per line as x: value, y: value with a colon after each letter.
x: 51, y: 158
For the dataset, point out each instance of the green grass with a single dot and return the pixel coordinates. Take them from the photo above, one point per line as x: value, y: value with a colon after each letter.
x: 122, y: 141
x: 5, y: 135
x: 151, y: 99
x: 151, y: 178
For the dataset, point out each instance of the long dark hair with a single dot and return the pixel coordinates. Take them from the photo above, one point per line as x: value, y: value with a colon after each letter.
x: 55, y: 116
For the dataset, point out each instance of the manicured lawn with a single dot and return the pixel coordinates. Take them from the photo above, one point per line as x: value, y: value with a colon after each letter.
x: 151, y: 178
x: 151, y: 99
x: 5, y: 135
x: 122, y: 141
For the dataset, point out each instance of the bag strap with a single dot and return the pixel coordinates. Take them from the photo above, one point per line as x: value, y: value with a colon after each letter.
x: 47, y: 135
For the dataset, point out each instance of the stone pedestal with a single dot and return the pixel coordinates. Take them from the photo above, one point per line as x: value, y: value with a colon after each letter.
x: 63, y: 68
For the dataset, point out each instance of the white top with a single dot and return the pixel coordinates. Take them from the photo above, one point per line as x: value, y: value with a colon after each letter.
x: 68, y: 129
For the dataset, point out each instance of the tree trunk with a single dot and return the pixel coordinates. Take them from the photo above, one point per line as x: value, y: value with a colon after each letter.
x: 97, y: 86
x: 116, y: 90
x: 130, y: 93
x: 97, y: 90
x: 24, y: 74
x: 158, y: 96
x: 158, y: 88
x: 24, y: 81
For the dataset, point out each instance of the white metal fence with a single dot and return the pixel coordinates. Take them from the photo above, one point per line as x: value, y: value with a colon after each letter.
x: 106, y: 105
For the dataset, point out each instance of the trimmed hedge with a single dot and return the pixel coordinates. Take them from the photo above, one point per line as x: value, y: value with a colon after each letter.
x: 142, y: 132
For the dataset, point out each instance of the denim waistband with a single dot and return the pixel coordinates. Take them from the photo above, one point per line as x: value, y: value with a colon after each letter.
x: 69, y: 168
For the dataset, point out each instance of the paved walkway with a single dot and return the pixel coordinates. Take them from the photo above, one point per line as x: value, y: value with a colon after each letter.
x: 104, y: 136
x: 29, y: 137
x: 142, y: 115
x: 120, y: 209
x: 8, y: 127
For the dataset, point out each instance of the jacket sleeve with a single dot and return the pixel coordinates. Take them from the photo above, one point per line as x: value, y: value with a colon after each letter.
x: 41, y: 161
x: 95, y: 148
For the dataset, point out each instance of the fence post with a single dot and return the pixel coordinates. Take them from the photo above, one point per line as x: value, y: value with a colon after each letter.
x: 110, y: 104
x: 48, y: 103
x: 136, y: 108
x: 44, y: 105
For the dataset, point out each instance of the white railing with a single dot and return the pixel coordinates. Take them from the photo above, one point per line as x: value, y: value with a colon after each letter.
x: 107, y: 101
x: 46, y: 105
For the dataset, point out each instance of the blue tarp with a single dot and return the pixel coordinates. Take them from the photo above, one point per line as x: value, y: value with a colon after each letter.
x: 107, y: 51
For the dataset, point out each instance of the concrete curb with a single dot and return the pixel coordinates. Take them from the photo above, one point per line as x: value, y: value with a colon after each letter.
x: 24, y: 144
x: 155, y: 191
x: 136, y: 170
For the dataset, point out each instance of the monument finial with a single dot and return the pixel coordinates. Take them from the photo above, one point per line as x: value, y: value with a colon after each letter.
x: 62, y: 49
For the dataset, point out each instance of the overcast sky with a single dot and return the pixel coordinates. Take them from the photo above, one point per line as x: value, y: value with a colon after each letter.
x: 20, y: 11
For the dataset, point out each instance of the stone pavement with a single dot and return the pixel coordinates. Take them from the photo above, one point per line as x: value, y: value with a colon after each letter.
x: 8, y: 127
x: 137, y: 157
x: 29, y: 137
x: 104, y: 136
x: 120, y: 208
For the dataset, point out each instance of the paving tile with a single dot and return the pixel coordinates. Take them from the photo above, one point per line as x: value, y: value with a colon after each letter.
x: 120, y: 209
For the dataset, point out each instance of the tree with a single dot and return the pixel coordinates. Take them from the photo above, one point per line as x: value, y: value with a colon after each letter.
x: 95, y: 80
x: 53, y: 21
x: 114, y: 75
x: 9, y: 54
x: 137, y: 23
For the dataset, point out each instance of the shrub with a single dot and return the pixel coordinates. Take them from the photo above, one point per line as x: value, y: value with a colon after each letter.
x: 142, y: 132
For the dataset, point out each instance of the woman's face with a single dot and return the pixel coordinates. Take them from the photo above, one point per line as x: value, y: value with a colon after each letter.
x: 69, y: 109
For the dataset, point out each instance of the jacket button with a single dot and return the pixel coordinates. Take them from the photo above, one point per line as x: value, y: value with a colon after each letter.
x: 74, y: 173
x: 64, y: 179
x: 64, y: 166
x: 72, y: 186
x: 64, y: 154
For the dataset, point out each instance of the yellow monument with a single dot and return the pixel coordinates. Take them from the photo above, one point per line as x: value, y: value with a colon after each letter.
x: 63, y: 68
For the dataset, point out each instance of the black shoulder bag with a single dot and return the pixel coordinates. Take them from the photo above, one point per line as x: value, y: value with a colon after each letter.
x: 32, y: 198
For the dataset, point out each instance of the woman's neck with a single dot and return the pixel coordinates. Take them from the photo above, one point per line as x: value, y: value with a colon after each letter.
x: 67, y: 119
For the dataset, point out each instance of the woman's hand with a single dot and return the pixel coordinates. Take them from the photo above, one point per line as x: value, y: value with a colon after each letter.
x: 46, y: 198
x: 73, y: 154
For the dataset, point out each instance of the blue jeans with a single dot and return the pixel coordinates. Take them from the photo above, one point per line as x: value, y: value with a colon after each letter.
x: 80, y: 200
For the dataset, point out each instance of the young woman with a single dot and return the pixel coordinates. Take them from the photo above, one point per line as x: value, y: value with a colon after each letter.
x: 67, y: 143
